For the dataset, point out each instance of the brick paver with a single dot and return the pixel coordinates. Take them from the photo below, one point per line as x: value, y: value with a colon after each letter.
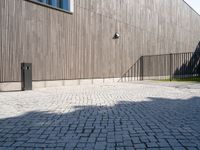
x: 117, y: 116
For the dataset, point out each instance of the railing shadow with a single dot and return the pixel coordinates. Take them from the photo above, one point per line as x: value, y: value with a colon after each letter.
x: 191, y: 67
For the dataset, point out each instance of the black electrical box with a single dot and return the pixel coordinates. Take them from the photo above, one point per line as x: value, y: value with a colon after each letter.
x: 26, y: 76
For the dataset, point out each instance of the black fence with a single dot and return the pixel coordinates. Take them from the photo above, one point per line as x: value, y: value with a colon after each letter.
x: 165, y: 67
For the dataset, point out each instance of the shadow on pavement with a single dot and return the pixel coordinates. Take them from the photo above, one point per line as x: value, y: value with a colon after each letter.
x: 157, y: 123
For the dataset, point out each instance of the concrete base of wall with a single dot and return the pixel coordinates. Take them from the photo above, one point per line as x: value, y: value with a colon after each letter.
x: 156, y: 78
x: 10, y: 86
x: 129, y: 79
x: 16, y: 86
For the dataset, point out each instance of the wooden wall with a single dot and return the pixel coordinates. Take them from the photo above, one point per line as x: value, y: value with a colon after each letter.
x: 80, y: 46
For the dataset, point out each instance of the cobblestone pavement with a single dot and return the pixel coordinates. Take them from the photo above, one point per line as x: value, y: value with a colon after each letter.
x: 141, y: 115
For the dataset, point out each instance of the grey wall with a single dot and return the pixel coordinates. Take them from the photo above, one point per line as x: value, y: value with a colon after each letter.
x: 64, y: 46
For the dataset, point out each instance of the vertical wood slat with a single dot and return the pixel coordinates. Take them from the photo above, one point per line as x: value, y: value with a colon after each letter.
x: 64, y: 46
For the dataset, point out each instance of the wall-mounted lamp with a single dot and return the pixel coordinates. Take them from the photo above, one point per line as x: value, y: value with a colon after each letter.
x: 116, y: 36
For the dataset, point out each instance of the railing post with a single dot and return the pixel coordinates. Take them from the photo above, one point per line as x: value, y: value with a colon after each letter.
x: 142, y: 68
x: 171, y: 66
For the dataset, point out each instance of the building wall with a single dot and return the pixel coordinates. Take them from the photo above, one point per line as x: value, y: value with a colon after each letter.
x: 81, y: 46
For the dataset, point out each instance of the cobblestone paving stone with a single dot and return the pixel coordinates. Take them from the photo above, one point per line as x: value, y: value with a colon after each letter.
x: 141, y: 115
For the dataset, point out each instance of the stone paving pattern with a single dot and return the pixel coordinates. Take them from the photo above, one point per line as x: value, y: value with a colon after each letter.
x: 141, y: 115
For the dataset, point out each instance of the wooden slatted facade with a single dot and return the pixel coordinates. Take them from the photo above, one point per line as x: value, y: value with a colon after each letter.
x: 64, y: 46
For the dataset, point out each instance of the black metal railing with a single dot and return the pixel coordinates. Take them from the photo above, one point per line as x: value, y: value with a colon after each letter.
x: 133, y: 73
x: 164, y: 67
